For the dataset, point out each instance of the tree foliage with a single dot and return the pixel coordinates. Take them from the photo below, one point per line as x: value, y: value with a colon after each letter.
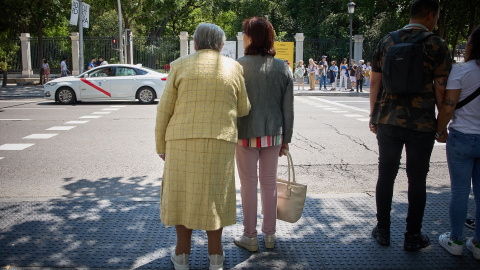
x: 319, y: 19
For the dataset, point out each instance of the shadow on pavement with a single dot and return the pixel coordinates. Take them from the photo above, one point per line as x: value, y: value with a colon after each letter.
x: 90, y: 230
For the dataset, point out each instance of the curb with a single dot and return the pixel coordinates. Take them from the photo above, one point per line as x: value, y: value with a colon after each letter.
x: 345, y: 94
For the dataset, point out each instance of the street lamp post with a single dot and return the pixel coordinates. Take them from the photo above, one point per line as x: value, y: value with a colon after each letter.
x: 120, y: 32
x: 351, y: 10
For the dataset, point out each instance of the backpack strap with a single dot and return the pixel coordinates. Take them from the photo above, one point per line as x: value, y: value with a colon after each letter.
x: 396, y: 37
x: 466, y: 100
x: 422, y: 37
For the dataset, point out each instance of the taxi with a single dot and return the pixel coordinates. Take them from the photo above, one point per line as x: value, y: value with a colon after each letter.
x: 108, y: 82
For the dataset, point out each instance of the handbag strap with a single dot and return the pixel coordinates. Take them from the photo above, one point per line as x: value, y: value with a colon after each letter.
x: 466, y: 100
x: 290, y: 167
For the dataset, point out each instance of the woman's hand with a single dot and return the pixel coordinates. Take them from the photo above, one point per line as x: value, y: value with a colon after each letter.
x: 373, y: 128
x: 284, y: 147
x: 443, y: 136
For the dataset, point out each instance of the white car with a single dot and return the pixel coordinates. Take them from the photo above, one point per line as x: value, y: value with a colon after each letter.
x: 108, y: 82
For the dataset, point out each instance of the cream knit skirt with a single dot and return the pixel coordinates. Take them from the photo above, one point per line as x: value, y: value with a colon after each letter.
x: 198, y: 185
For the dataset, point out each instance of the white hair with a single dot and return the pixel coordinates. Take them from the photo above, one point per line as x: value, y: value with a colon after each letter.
x: 209, y: 36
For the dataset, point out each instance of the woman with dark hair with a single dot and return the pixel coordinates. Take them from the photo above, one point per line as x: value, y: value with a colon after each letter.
x: 463, y: 146
x: 196, y: 135
x: 265, y: 132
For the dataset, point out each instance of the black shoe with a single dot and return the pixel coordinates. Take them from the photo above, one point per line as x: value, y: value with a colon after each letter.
x: 470, y: 223
x: 382, y: 236
x: 415, y: 241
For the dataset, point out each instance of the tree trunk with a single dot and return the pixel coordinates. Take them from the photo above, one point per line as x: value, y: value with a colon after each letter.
x: 40, y: 44
x: 454, y: 45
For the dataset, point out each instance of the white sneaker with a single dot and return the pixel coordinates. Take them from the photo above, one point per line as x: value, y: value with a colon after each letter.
x: 250, y: 244
x: 180, y: 262
x: 475, y: 249
x: 454, y: 247
x: 216, y: 261
x: 269, y: 240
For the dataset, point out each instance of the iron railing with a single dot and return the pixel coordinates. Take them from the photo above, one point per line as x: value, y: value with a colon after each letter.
x: 54, y: 50
x: 156, y: 53
x: 14, y: 58
x: 315, y: 48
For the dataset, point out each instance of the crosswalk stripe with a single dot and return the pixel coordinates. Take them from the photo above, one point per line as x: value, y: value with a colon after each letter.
x: 15, y: 146
x: 40, y: 136
x: 60, y: 128
x: 76, y: 122
x: 15, y: 119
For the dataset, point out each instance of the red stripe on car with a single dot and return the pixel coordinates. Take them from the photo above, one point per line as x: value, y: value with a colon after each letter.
x: 96, y: 87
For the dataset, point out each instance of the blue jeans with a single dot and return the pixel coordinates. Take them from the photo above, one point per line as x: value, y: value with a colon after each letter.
x: 418, y: 148
x: 463, y: 157
x: 323, y: 79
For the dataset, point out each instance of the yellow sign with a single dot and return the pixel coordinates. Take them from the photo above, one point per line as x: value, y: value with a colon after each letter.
x: 285, y: 51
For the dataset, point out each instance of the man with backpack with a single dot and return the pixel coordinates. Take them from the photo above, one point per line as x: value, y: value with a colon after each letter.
x: 403, y: 95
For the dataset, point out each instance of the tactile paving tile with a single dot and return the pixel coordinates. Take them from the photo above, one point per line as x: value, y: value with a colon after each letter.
x: 333, y: 233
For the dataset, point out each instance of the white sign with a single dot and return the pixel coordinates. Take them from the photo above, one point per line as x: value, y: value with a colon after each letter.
x: 230, y: 49
x: 86, y: 15
x: 75, y: 11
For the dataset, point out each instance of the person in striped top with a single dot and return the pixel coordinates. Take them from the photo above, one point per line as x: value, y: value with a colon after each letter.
x: 265, y: 132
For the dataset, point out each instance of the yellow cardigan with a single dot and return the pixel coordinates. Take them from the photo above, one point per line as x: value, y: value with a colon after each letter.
x: 204, y: 95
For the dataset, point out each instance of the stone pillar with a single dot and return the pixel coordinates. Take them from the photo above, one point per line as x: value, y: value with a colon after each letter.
x: 75, y: 37
x: 26, y: 55
x: 358, y: 48
x: 240, y: 50
x: 192, y: 47
x: 299, y: 38
x: 183, y: 43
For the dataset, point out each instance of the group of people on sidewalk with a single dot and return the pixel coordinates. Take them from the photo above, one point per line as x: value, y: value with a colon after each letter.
x: 321, y: 74
x: 215, y: 111
x: 409, y: 119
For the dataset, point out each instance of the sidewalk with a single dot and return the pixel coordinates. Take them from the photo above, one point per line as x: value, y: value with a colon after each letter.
x: 110, y: 233
x: 22, y: 91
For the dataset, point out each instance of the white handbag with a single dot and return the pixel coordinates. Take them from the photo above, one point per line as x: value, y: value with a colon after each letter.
x: 291, y: 196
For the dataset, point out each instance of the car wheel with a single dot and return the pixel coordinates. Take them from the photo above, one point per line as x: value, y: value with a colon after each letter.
x: 146, y: 95
x: 65, y: 95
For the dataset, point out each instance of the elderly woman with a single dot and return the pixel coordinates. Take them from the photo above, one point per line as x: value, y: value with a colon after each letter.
x: 299, y: 72
x: 312, y: 69
x: 265, y: 132
x: 463, y: 146
x: 196, y: 134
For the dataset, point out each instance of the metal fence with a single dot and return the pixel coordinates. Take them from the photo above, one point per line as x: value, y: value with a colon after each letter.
x: 54, y: 50
x: 94, y: 47
x: 333, y: 49
x: 14, y: 58
x: 156, y: 53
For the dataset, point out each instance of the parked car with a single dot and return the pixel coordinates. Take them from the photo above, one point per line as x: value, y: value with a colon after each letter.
x: 108, y: 82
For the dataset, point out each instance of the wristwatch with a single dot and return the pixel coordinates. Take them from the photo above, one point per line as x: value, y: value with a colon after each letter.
x: 438, y: 135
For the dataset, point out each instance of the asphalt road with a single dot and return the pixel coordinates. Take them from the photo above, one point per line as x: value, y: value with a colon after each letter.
x: 105, y: 150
